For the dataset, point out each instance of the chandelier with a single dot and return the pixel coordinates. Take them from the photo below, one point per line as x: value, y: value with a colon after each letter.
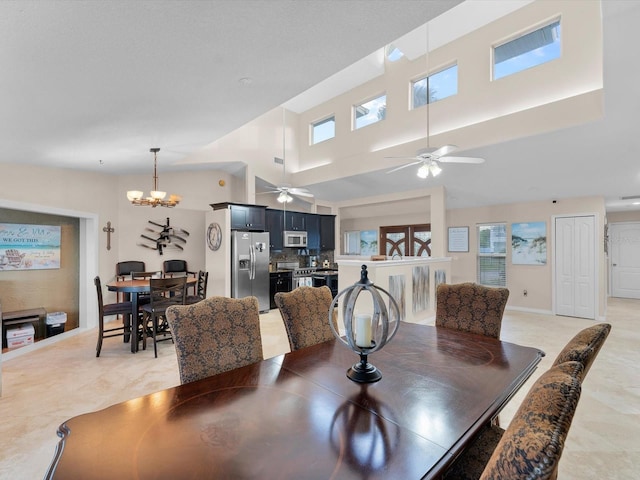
x: 156, y: 197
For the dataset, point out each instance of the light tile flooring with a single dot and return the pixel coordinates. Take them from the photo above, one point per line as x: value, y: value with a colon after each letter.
x: 45, y: 387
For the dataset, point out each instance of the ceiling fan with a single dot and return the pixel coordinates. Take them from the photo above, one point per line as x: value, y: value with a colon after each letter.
x: 286, y: 193
x: 430, y: 159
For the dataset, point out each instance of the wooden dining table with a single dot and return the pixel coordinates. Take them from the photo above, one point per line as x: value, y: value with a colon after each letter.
x: 298, y: 416
x: 134, y: 288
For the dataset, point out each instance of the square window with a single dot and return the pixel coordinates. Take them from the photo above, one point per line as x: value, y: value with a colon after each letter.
x: 440, y: 85
x: 529, y: 50
x: 369, y: 112
x: 323, y: 130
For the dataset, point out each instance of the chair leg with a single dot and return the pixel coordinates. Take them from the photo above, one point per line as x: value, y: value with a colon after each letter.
x: 155, y: 335
x: 100, y: 335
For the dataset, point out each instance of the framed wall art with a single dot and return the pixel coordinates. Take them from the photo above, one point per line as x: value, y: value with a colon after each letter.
x: 458, y: 239
x: 529, y: 243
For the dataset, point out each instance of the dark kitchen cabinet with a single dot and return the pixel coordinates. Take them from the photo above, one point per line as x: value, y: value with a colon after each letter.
x: 295, y: 221
x: 327, y: 232
x: 275, y: 226
x: 244, y: 217
x: 279, y: 282
x: 313, y: 231
x: 247, y: 218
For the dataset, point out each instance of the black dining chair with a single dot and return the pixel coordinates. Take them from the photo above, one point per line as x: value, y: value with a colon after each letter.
x: 164, y: 292
x: 176, y: 268
x: 106, y: 310
x: 123, y: 270
x: 201, y: 289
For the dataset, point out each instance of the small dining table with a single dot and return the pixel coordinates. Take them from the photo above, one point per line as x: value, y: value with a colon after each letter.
x: 134, y: 288
x: 298, y: 416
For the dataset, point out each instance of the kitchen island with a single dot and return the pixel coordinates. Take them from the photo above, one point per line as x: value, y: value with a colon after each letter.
x: 412, y: 282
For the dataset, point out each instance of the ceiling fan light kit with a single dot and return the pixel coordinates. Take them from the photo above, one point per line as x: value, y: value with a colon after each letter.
x: 156, y: 197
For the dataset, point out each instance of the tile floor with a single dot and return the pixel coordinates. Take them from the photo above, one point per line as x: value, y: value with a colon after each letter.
x: 43, y: 388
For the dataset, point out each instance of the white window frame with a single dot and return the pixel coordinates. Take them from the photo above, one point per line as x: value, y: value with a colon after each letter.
x: 313, y: 125
x: 414, y: 81
x: 497, y: 259
x: 355, y: 107
x: 519, y: 36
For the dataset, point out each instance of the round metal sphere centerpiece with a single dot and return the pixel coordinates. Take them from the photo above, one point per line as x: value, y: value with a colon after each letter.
x: 365, y: 332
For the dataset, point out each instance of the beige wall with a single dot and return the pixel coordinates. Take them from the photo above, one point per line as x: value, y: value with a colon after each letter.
x: 617, y: 217
x: 537, y: 280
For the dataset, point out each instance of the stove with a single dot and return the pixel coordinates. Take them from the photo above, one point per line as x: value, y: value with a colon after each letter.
x: 303, y: 272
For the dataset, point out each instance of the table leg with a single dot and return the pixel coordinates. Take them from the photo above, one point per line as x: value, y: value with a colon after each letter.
x: 134, y: 322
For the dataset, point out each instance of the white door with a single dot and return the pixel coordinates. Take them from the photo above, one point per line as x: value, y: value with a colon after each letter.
x: 624, y: 241
x: 575, y: 263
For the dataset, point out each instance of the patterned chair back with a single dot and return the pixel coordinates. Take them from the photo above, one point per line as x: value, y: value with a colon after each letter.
x: 305, y: 312
x: 215, y: 335
x: 584, y: 347
x: 533, y: 443
x: 471, y: 308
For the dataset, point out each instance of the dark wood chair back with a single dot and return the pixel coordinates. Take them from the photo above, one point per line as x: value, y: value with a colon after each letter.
x: 106, y: 310
x: 164, y: 292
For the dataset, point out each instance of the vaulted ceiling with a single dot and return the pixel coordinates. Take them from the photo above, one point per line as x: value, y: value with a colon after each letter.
x: 92, y: 85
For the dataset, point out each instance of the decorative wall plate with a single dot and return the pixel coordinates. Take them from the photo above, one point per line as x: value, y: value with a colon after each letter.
x: 214, y: 236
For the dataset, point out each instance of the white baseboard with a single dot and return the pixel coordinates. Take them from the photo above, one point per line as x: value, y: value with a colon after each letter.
x: 530, y: 310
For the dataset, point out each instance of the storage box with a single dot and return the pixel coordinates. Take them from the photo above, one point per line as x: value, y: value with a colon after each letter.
x: 21, y: 336
x: 55, y: 323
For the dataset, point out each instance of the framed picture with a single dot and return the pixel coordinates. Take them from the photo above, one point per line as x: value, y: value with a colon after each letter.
x: 529, y: 243
x: 458, y: 239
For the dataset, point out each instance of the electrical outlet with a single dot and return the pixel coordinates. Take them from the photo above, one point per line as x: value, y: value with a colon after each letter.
x: 524, y: 292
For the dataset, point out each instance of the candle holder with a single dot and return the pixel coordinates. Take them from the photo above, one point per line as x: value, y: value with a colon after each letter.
x: 365, y: 333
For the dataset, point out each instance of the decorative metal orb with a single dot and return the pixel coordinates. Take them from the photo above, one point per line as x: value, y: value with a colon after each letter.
x: 368, y: 332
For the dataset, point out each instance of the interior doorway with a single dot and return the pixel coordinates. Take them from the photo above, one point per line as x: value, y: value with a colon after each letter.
x: 575, y: 266
x: 624, y: 250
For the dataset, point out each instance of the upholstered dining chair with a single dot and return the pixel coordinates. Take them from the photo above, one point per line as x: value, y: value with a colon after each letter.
x: 215, y: 335
x: 201, y: 288
x: 584, y: 347
x: 164, y: 292
x: 531, y: 447
x: 106, y: 310
x: 471, y: 307
x: 305, y: 312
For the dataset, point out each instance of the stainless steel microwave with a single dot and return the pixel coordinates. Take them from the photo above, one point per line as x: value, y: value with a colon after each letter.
x: 295, y: 239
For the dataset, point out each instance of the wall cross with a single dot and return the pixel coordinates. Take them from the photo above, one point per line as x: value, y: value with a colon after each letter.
x: 108, y: 230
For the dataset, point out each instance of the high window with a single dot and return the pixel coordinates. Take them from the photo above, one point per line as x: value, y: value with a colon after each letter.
x: 369, y: 112
x: 435, y: 87
x: 492, y: 254
x: 529, y: 50
x: 323, y: 130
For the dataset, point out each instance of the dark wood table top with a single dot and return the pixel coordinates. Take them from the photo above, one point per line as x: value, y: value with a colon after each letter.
x: 299, y: 416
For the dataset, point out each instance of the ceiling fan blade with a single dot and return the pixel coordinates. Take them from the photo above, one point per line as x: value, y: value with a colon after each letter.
x: 404, y: 166
x: 461, y: 160
x: 444, y: 150
x: 415, y: 157
x: 301, y: 192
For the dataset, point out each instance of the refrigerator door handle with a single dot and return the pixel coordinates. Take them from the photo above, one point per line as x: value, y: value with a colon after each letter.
x: 252, y: 261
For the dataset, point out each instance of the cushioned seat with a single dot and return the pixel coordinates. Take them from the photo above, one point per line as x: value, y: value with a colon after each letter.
x: 305, y: 312
x: 584, y: 347
x: 215, y: 335
x: 471, y: 308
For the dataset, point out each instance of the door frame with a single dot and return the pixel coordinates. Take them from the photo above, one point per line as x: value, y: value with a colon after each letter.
x: 610, y: 257
x: 596, y: 265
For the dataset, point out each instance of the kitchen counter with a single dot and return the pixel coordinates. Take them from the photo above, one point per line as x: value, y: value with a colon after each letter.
x: 411, y: 280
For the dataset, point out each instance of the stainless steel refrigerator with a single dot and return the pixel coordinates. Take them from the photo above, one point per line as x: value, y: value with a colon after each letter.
x: 250, y: 266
